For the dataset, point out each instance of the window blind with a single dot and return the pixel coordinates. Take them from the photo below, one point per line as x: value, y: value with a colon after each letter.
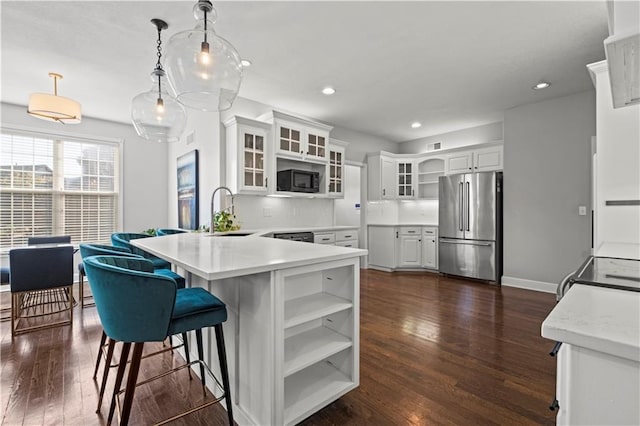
x: 57, y: 186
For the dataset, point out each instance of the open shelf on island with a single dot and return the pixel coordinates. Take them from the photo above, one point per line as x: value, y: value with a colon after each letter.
x: 314, y: 306
x: 309, y: 347
x: 311, y: 388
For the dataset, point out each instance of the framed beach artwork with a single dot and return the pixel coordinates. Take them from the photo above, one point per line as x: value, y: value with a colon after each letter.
x: 188, y: 190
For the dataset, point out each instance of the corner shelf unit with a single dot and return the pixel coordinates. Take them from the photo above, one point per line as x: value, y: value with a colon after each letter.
x: 319, y: 337
x: 429, y: 170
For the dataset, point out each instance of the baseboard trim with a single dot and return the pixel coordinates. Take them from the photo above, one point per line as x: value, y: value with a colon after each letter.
x: 541, y: 286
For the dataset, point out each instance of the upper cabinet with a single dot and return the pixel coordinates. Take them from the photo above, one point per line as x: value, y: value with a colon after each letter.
x: 416, y: 176
x: 405, y: 179
x: 381, y: 176
x: 301, y: 139
x: 477, y: 160
x: 336, y: 168
x: 247, y: 155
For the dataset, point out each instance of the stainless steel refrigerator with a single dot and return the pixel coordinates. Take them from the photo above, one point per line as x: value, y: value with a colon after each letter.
x: 470, y: 225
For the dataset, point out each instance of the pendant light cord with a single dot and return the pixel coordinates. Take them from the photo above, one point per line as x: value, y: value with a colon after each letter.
x: 159, y: 64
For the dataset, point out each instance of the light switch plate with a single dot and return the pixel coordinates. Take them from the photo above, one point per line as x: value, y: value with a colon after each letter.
x: 582, y: 210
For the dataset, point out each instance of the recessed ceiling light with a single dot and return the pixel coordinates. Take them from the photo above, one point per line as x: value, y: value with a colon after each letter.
x: 328, y: 90
x: 541, y: 85
x: 246, y: 63
x: 415, y: 125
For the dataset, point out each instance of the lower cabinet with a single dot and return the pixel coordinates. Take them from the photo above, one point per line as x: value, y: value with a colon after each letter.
x: 413, y: 247
x: 382, y: 252
x: 596, y: 388
x: 348, y: 238
x: 409, y: 246
x: 430, y: 247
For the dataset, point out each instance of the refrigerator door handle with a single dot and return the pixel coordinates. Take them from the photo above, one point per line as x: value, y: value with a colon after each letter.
x: 468, y: 211
x: 465, y: 242
x: 461, y: 205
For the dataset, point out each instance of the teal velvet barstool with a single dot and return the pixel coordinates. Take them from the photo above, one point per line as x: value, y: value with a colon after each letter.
x: 87, y: 250
x: 119, y: 284
x: 123, y: 239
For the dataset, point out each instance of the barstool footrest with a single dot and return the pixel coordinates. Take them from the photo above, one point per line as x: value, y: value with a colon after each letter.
x: 169, y: 372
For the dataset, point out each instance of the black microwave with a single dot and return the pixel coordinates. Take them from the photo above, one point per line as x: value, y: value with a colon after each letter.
x: 294, y: 180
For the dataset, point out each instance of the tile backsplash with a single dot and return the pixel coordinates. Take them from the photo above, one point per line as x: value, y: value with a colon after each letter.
x: 255, y: 212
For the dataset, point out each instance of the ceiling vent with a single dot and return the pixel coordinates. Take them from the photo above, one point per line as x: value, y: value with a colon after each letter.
x: 623, y: 59
x: 434, y: 146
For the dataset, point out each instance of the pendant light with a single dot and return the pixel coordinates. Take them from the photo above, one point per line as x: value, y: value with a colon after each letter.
x: 203, y: 68
x: 156, y: 115
x: 53, y: 107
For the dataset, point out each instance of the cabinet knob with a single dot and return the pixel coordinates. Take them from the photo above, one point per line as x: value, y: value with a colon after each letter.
x: 476, y: 167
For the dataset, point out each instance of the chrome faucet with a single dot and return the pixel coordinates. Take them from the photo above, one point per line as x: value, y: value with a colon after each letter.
x: 212, y: 229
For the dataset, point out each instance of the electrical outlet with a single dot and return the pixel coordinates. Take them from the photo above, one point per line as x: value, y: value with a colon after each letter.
x: 582, y: 210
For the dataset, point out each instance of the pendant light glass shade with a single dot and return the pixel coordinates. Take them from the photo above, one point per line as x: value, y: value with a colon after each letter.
x: 156, y: 115
x: 53, y: 107
x: 203, y: 68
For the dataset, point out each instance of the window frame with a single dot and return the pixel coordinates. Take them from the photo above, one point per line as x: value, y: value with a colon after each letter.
x: 117, y: 143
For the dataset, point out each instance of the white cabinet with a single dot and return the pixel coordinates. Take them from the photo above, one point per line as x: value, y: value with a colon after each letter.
x: 382, y: 252
x: 343, y: 238
x: 318, y: 341
x: 409, y: 246
x: 324, y: 238
x: 429, y: 171
x: 347, y: 238
x: 336, y: 171
x: 300, y: 139
x: 430, y: 247
x: 405, y: 179
x: 596, y: 388
x: 381, y: 177
x: 477, y: 160
x: 247, y: 155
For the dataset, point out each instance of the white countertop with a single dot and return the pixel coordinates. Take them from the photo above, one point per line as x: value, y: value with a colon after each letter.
x: 619, y: 250
x: 597, y: 318
x: 403, y: 224
x: 259, y: 232
x: 221, y: 257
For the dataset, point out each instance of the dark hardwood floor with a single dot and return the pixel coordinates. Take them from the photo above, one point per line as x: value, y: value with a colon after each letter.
x: 433, y: 350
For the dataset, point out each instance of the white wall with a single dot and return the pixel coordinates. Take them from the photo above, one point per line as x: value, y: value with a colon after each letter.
x: 456, y: 139
x: 547, y: 149
x: 204, y: 129
x: 144, y: 198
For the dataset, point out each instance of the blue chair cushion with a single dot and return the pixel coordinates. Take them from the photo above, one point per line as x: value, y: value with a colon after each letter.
x: 159, y: 263
x: 196, y: 308
x: 180, y: 281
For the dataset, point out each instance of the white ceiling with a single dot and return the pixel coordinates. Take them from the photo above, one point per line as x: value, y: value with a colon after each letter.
x: 449, y: 65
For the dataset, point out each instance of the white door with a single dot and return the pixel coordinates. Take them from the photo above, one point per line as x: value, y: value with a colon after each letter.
x: 388, y: 178
x: 430, y: 248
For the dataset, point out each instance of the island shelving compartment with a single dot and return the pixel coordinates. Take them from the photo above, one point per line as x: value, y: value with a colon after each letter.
x: 319, y: 337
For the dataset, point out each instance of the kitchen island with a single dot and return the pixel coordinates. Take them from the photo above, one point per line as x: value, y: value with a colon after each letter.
x: 292, y: 334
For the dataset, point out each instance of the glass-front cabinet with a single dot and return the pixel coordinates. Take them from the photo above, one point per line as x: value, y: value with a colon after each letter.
x: 290, y: 139
x: 299, y: 138
x: 336, y: 170
x: 404, y: 175
x: 247, y: 155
